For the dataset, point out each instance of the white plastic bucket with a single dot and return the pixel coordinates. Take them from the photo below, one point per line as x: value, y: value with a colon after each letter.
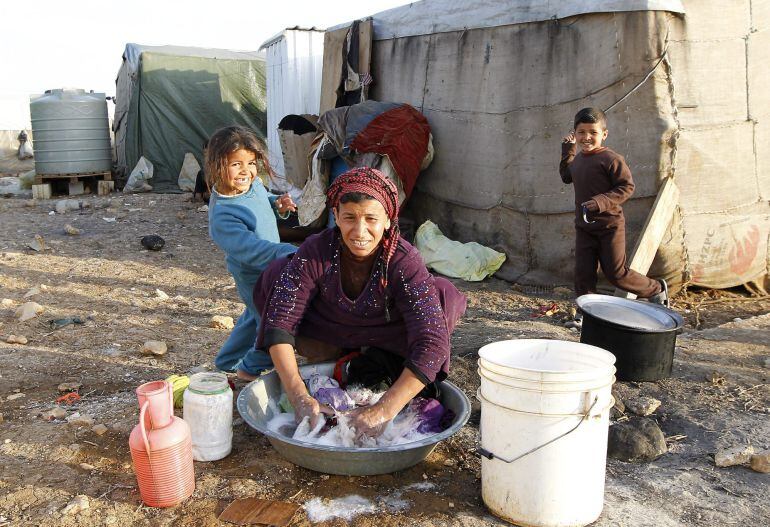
x: 545, y: 409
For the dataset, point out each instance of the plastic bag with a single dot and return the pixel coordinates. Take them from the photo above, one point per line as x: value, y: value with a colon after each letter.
x: 470, y: 261
x: 137, y: 181
x: 189, y: 173
x: 27, y: 179
x: 25, y: 151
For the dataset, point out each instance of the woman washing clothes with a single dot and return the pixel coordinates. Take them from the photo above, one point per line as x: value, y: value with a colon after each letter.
x: 358, y: 285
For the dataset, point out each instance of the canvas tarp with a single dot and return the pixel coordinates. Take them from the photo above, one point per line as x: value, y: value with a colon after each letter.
x: 170, y: 99
x: 499, y: 99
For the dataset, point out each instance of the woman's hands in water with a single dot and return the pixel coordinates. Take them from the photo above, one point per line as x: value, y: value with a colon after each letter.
x: 371, y: 420
x: 306, y: 406
x: 368, y: 421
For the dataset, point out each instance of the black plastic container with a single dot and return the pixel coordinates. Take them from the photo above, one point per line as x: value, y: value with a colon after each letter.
x: 641, y: 335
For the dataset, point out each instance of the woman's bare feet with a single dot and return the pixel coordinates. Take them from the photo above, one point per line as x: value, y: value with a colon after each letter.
x: 245, y: 376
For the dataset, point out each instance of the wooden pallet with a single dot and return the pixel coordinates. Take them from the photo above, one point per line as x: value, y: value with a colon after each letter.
x: 73, y: 184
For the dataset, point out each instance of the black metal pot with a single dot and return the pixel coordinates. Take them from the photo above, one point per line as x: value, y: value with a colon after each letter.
x: 641, y: 335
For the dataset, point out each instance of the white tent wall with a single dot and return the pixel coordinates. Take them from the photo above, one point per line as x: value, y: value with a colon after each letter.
x: 294, y: 64
x: 499, y: 99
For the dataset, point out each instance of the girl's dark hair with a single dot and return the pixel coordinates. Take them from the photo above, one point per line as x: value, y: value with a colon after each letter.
x: 226, y: 141
x: 355, y: 197
x: 591, y: 115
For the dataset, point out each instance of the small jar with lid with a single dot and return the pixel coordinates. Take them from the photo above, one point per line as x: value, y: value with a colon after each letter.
x: 208, y: 409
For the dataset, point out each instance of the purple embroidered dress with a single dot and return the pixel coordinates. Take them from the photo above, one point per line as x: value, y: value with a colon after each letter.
x: 304, y: 296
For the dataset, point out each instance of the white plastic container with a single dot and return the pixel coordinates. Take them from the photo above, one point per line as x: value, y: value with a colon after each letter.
x: 208, y: 409
x: 545, y: 408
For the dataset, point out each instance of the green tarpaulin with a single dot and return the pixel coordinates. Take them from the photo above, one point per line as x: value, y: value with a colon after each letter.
x: 169, y: 99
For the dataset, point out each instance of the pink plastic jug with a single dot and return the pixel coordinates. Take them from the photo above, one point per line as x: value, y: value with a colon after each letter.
x: 161, y: 448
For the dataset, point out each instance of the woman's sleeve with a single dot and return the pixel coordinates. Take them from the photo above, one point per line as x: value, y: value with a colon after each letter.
x: 290, y: 297
x: 418, y: 301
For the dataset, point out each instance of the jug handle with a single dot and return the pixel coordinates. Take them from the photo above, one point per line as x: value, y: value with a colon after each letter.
x: 142, y: 412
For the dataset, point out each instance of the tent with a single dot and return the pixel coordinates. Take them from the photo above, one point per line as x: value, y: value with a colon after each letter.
x: 501, y: 81
x: 169, y: 99
x: 294, y: 61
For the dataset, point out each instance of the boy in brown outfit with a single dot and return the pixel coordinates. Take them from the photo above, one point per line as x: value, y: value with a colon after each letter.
x: 602, y: 183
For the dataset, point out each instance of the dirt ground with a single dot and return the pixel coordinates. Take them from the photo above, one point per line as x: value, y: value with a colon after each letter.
x: 717, y: 397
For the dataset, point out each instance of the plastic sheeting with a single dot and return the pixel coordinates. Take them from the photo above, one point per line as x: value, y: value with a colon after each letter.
x: 500, y: 98
x: 441, y: 16
x: 294, y: 63
x: 170, y: 99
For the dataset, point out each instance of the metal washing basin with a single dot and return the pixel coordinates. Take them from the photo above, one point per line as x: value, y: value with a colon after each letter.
x: 255, y: 406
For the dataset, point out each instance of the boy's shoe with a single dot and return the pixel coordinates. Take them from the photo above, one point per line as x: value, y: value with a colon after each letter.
x: 576, y: 322
x: 662, y: 297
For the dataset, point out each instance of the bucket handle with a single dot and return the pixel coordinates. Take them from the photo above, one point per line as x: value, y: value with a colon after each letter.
x: 490, y: 455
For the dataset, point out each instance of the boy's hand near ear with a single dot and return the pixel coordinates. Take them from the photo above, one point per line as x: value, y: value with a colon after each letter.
x: 569, y: 138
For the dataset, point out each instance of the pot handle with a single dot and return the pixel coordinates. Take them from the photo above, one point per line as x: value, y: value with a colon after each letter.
x: 142, y: 412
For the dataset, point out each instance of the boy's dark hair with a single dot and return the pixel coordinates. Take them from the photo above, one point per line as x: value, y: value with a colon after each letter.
x: 591, y: 115
x: 226, y: 141
x: 355, y: 197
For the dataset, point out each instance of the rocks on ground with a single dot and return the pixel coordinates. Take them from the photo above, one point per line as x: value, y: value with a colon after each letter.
x: 70, y: 230
x: 28, y: 310
x: 636, y: 440
x: 69, y: 387
x: 99, y: 429
x: 16, y: 339
x: 761, y: 462
x: 735, y: 455
x: 80, y: 420
x: 36, y: 290
x: 154, y: 347
x: 77, y: 504
x: 56, y: 412
x: 222, y: 322
x: 642, y: 406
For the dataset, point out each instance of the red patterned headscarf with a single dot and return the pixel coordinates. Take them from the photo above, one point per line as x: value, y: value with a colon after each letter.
x: 371, y: 182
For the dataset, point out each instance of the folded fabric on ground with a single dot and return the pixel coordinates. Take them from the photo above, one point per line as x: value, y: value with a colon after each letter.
x: 470, y: 261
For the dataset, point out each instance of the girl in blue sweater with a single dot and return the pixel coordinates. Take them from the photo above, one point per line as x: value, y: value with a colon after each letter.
x: 242, y: 222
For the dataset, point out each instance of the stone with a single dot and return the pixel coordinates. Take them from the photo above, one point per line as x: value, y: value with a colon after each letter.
x: 160, y: 295
x: 99, y: 429
x: 636, y: 440
x: 6, y: 302
x: 36, y: 290
x: 69, y: 387
x: 736, y: 455
x: 79, y: 503
x: 80, y: 420
x: 28, y: 311
x: 203, y: 208
x: 57, y: 412
x: 154, y: 347
x: 152, y: 242
x: 222, y: 322
x: 15, y: 396
x: 642, y: 406
x: 759, y: 462
x: 65, y: 205
x: 181, y: 215
x: 37, y: 244
x: 767, y: 362
x: 16, y: 339
x: 86, y: 466
x: 70, y: 230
